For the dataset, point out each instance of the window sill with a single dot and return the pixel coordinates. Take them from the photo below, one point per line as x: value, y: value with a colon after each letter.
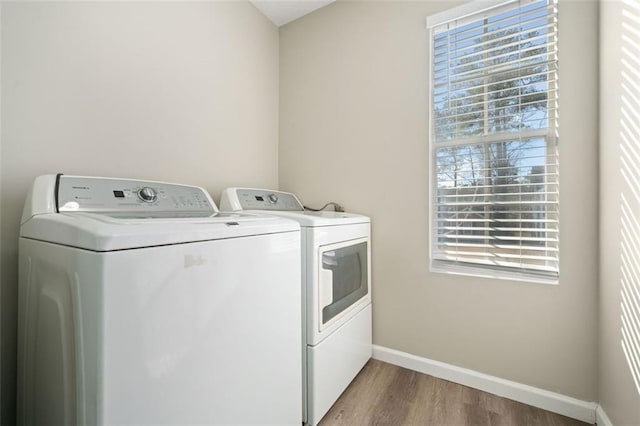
x: 470, y: 271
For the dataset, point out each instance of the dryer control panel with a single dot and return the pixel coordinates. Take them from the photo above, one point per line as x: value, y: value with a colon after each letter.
x: 124, y: 196
x: 237, y: 199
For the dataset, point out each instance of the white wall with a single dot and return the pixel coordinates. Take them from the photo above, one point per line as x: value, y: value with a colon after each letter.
x: 619, y: 293
x: 175, y: 91
x: 353, y: 128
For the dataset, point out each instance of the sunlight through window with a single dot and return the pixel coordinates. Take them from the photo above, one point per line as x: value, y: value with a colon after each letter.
x: 630, y: 195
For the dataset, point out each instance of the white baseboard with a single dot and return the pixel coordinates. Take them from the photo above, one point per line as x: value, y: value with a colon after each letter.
x: 550, y: 401
x: 601, y: 417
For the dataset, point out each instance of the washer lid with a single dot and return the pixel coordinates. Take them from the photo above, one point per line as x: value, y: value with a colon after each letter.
x: 99, y: 232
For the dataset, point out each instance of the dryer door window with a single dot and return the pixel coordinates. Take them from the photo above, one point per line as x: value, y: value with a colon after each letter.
x: 344, y: 277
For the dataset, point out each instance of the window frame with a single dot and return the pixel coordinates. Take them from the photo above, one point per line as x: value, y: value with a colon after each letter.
x: 464, y: 14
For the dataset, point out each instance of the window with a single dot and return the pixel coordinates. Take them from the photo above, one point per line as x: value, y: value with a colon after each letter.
x: 493, y: 139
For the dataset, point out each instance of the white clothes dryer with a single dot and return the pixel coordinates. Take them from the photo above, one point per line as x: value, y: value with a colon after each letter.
x: 140, y: 304
x: 336, y: 287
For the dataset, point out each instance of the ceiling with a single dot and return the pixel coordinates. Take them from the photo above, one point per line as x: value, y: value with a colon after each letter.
x: 281, y: 12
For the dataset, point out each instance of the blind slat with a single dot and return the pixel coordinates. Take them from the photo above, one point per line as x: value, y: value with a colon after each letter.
x: 467, y: 69
x: 482, y: 229
x: 457, y: 107
x: 448, y: 219
x: 463, y: 54
x: 489, y: 33
x: 494, y: 195
x: 463, y: 28
x: 515, y: 174
x: 445, y: 188
x: 468, y: 120
x: 499, y: 246
x: 527, y: 72
x: 504, y: 255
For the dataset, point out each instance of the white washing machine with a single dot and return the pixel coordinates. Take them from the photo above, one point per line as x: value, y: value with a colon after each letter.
x: 140, y: 304
x: 336, y: 285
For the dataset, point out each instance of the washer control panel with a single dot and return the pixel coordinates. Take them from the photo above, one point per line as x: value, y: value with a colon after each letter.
x: 110, y: 195
x: 236, y: 199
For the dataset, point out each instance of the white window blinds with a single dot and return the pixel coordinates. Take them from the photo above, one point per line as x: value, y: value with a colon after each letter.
x: 493, y: 140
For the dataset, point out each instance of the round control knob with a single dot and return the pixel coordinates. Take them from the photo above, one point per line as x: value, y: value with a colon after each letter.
x: 273, y: 198
x: 148, y: 195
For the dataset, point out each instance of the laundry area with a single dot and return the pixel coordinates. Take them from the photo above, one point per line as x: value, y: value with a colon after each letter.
x: 320, y: 212
x: 140, y: 303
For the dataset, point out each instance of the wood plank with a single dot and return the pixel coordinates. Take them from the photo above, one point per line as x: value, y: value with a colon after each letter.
x: 385, y: 394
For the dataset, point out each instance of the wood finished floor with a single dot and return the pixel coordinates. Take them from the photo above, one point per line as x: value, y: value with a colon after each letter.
x: 384, y: 394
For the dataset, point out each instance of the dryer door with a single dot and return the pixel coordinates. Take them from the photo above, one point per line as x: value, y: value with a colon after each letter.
x: 343, y: 280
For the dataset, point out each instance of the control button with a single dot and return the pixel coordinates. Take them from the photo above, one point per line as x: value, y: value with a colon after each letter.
x: 148, y: 195
x: 273, y: 198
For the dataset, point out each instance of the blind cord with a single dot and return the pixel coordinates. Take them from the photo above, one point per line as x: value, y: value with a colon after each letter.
x: 336, y: 207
